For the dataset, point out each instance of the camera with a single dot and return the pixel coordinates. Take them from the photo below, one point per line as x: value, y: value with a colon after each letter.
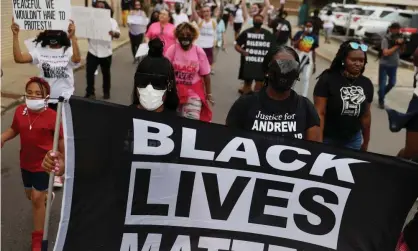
x: 398, y: 39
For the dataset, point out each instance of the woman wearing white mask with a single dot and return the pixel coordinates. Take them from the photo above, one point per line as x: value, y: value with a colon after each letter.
x: 155, y: 87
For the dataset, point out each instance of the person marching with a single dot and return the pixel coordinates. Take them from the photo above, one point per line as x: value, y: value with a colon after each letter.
x: 328, y: 25
x: 342, y: 97
x: 282, y: 29
x: 192, y: 71
x: 238, y: 19
x: 306, y: 42
x: 126, y: 7
x: 207, y: 31
x: 162, y: 29
x: 153, y: 18
x: 220, y: 33
x: 253, y: 44
x: 100, y: 53
x: 277, y: 109
x: 254, y: 10
x: 179, y: 16
x: 34, y: 121
x: 137, y: 22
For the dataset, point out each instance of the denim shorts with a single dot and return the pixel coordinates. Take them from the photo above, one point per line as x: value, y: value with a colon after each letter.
x: 354, y: 142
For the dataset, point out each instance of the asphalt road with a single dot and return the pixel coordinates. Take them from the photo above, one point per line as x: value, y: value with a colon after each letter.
x: 16, y: 222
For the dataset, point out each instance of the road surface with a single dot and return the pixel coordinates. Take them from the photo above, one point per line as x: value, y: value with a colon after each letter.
x: 16, y: 209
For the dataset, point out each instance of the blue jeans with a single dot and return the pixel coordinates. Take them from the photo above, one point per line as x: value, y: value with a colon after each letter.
x: 385, y: 72
x: 353, y: 143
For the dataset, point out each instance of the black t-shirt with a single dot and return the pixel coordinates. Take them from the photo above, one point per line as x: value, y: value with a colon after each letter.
x: 257, y: 44
x: 258, y: 112
x: 346, y: 103
x: 281, y: 30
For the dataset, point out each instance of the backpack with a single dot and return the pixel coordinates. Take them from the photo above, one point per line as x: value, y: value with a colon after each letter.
x: 213, y: 24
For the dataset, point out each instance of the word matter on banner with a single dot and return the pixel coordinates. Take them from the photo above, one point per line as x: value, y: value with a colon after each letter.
x: 167, y: 184
x: 42, y: 14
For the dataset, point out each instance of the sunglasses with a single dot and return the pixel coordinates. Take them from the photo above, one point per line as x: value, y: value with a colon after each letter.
x: 158, y: 82
x: 356, y: 46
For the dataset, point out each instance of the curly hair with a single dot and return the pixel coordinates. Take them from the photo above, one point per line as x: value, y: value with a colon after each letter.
x: 44, y: 38
x: 184, y: 26
x: 337, y: 64
x: 42, y: 83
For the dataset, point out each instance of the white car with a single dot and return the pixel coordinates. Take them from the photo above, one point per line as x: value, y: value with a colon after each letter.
x: 372, y: 31
x: 341, y: 14
x: 366, y: 14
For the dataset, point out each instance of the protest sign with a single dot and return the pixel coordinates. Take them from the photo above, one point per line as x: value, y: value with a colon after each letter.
x: 137, y: 19
x: 142, y: 50
x: 167, y: 184
x: 42, y: 14
x: 93, y: 23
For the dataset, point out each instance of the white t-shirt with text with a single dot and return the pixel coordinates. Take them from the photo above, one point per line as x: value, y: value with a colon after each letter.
x: 180, y: 18
x: 207, y: 33
x: 56, y: 68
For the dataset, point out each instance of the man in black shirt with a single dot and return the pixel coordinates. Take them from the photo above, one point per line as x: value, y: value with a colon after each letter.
x: 282, y: 29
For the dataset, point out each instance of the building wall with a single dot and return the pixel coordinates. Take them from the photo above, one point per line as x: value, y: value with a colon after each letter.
x: 6, y: 21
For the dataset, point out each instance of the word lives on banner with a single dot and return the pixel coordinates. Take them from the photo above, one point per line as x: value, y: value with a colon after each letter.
x: 141, y: 181
x: 42, y: 14
x: 92, y: 23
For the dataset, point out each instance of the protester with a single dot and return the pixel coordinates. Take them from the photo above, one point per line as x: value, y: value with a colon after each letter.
x: 160, y: 6
x: 155, y: 86
x: 342, y: 97
x: 137, y: 30
x: 34, y: 121
x: 316, y: 22
x: 392, y: 46
x: 277, y: 108
x: 126, y: 7
x: 153, y: 18
x: 253, y: 44
x: 56, y: 58
x: 328, y: 26
x: 162, y: 29
x: 306, y: 42
x: 227, y: 13
x: 100, y: 53
x: 238, y: 19
x: 255, y: 9
x: 179, y: 16
x: 192, y: 71
x: 207, y: 31
x: 220, y: 34
x: 303, y: 13
x: 282, y: 29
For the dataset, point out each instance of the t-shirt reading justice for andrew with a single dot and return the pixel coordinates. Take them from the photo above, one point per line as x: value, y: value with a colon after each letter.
x: 347, y: 101
x: 257, y: 45
x: 258, y: 112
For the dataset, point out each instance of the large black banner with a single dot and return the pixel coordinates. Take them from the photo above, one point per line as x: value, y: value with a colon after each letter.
x: 141, y: 181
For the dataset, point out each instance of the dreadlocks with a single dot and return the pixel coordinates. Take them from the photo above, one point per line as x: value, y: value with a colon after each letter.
x: 337, y: 64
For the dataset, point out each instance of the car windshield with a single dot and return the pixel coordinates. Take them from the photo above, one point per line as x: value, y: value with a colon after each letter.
x: 341, y: 9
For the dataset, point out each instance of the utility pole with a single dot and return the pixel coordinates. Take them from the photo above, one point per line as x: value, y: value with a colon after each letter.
x: 86, y: 3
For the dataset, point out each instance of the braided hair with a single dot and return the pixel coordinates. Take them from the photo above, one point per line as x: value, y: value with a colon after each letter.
x: 42, y: 83
x: 337, y: 64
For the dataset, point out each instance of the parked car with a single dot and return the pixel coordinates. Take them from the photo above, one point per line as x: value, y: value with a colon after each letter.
x: 326, y: 8
x: 410, y: 33
x: 372, y: 31
x: 341, y: 14
x: 367, y: 13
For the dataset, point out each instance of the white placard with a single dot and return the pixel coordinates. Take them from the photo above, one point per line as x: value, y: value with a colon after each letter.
x: 136, y: 19
x: 92, y: 23
x: 42, y: 14
x: 142, y: 50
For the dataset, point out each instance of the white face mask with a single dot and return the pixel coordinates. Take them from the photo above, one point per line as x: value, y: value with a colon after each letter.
x: 35, y: 104
x: 149, y: 98
x: 309, y: 29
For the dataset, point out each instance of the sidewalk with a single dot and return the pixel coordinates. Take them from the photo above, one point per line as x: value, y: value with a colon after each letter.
x: 15, y: 75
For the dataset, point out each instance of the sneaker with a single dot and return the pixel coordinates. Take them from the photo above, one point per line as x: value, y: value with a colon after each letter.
x: 106, y: 96
x: 37, y: 240
x: 381, y: 105
x: 58, y: 181
x: 96, y: 72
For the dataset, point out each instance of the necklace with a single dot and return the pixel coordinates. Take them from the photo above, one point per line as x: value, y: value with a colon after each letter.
x: 31, y: 123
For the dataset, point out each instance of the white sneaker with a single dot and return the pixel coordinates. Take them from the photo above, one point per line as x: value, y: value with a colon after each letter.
x: 58, y: 181
x: 96, y: 72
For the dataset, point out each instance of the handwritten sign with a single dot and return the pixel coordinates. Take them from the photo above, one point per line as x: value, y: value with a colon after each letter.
x: 42, y: 14
x: 142, y: 50
x: 137, y: 19
x: 92, y: 23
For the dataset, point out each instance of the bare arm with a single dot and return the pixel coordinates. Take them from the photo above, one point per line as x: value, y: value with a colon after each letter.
x: 320, y: 106
x: 195, y: 16
x: 76, y: 58
x: 265, y: 9
x: 366, y: 121
x: 8, y: 135
x: 19, y: 56
x: 208, y: 87
x: 244, y: 10
x: 314, y: 134
x: 388, y: 52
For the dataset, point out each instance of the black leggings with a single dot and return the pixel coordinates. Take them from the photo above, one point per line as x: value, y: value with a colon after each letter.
x: 136, y: 40
x: 92, y: 63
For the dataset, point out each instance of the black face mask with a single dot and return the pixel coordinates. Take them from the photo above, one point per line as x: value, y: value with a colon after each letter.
x: 283, y: 74
x: 258, y: 25
x: 185, y: 42
x: 178, y: 10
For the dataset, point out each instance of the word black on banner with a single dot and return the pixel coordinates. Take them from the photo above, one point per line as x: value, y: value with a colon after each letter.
x: 167, y: 184
x: 42, y: 14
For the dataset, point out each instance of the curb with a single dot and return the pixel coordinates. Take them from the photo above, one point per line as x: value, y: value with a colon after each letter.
x: 81, y: 67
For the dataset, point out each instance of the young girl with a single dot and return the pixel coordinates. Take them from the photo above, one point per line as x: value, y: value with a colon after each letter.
x: 35, y: 123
